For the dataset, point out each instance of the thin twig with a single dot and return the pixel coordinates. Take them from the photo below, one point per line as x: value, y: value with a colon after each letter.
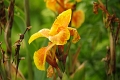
x: 17, y: 49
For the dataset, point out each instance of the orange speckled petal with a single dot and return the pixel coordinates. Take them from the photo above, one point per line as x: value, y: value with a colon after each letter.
x: 75, y: 34
x: 78, y: 18
x: 40, y: 56
x: 60, y: 38
x: 62, y: 20
x: 41, y: 33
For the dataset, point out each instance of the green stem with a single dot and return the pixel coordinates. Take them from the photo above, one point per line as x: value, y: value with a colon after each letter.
x: 30, y: 70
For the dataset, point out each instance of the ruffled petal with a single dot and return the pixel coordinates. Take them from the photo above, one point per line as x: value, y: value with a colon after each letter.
x: 60, y: 38
x: 78, y: 18
x: 41, y: 33
x: 75, y: 34
x: 62, y: 21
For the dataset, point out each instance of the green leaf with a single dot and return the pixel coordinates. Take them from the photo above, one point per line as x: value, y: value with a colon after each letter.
x: 65, y: 77
x: 79, y: 73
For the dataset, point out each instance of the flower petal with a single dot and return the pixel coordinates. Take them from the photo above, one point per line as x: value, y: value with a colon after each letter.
x: 50, y: 4
x: 40, y: 56
x: 62, y: 21
x: 78, y: 18
x: 60, y: 38
x: 41, y: 33
x: 50, y: 71
x: 75, y: 34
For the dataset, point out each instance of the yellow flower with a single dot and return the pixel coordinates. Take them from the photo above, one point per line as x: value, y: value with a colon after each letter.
x: 58, y: 35
x: 59, y: 32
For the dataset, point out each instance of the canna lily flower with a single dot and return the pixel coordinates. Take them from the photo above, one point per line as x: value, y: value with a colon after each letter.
x: 57, y: 35
x: 59, y: 32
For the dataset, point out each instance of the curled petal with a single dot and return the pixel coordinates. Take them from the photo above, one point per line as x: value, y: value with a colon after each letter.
x: 41, y: 33
x: 60, y: 38
x: 62, y: 21
x: 40, y: 56
x: 75, y: 34
x: 78, y: 18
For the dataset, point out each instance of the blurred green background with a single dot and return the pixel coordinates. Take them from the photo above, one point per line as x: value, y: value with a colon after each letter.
x: 94, y: 38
